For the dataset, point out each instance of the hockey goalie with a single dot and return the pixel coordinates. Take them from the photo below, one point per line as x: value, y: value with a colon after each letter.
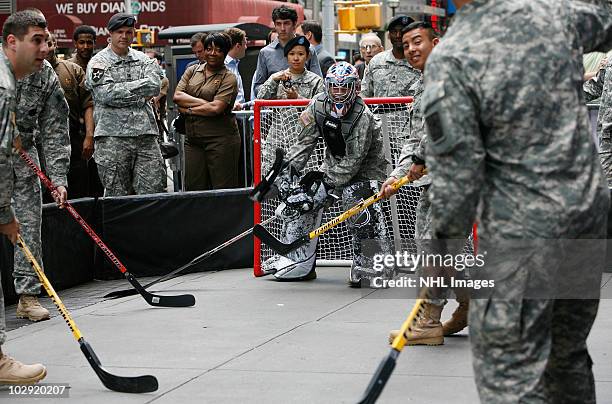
x: 352, y: 168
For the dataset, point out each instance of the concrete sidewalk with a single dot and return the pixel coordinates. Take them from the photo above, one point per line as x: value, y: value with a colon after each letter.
x: 259, y: 341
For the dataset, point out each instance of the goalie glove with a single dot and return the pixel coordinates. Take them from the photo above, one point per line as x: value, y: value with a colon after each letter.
x: 311, y: 193
x: 299, y: 200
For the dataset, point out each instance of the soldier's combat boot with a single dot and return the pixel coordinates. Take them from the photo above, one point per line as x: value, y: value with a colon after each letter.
x: 459, y: 319
x: 30, y: 308
x: 428, y: 330
x: 15, y: 372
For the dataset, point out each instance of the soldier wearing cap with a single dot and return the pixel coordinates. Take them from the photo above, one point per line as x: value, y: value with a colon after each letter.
x: 389, y: 74
x: 123, y: 81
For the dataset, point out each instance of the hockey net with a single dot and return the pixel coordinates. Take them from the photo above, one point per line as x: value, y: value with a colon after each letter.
x: 276, y: 125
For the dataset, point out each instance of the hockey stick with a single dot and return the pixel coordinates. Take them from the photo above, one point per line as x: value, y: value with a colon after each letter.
x: 138, y: 384
x: 153, y: 300
x: 261, y: 189
x: 284, y: 248
x: 386, y: 367
x: 129, y: 292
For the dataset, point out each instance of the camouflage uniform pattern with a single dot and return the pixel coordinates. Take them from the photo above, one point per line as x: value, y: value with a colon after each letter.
x: 307, y: 84
x: 128, y: 162
x: 386, y: 76
x: 417, y: 133
x: 509, y: 135
x: 415, y: 142
x: 7, y: 122
x: 601, y: 86
x: 42, y: 119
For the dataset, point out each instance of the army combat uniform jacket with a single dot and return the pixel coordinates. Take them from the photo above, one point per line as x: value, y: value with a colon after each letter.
x: 121, y: 87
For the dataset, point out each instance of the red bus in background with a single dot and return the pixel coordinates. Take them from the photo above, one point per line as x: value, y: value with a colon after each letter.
x: 64, y: 15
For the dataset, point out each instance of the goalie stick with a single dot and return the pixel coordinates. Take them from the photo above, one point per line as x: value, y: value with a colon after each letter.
x: 261, y: 189
x: 153, y: 300
x: 138, y: 384
x: 129, y: 292
x: 386, y: 367
x: 284, y: 248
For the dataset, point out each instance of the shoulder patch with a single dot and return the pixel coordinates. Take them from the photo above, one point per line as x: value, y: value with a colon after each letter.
x: 96, y: 74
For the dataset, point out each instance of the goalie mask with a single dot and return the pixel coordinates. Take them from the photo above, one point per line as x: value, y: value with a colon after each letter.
x: 342, y: 85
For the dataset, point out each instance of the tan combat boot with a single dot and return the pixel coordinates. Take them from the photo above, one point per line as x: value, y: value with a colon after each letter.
x: 29, y: 307
x: 15, y: 372
x: 459, y: 319
x: 428, y: 330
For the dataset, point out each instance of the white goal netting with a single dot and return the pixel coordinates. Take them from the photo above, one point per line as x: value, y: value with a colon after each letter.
x: 276, y: 125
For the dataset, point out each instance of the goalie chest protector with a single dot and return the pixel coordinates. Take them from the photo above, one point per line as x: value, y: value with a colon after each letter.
x: 335, y: 130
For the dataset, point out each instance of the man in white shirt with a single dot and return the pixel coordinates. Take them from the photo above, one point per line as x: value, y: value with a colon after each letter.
x: 236, y: 52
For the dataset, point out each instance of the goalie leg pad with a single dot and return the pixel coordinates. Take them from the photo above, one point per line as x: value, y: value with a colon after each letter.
x: 298, y: 264
x: 368, y: 229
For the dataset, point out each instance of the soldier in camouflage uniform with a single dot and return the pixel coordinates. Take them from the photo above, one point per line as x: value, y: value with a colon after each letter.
x: 123, y: 81
x: 389, y: 74
x: 23, y: 50
x: 509, y: 138
x: 600, y: 86
x: 419, y: 40
x: 42, y: 127
x: 354, y: 163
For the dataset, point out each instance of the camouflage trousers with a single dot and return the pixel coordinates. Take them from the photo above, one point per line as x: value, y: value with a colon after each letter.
x: 27, y: 201
x: 368, y: 230
x: 532, y: 351
x: 422, y: 235
x: 528, y: 334
x: 130, y: 165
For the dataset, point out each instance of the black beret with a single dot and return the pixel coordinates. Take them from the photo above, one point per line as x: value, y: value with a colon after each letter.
x: 298, y: 40
x: 121, y: 20
x: 401, y: 20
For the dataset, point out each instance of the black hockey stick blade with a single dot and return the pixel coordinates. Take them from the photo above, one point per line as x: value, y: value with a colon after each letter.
x: 116, y: 294
x: 158, y: 300
x: 380, y: 378
x: 278, y: 246
x: 123, y: 384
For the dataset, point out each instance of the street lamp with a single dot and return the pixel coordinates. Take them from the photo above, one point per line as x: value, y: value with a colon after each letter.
x: 393, y: 4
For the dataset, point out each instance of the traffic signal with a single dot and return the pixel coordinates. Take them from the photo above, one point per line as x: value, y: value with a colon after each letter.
x: 144, y: 37
x: 346, y: 19
x: 367, y: 16
x: 358, y: 16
